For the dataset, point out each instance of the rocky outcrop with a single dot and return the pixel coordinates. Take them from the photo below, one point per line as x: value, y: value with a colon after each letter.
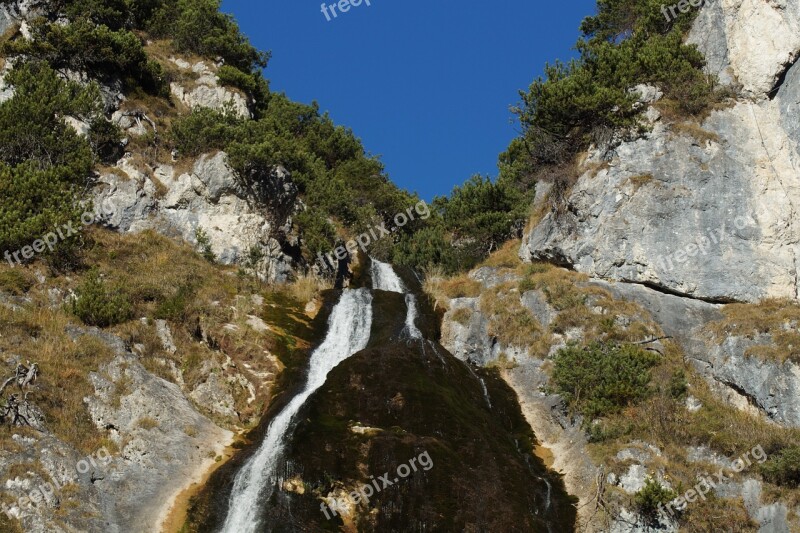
x: 753, y: 384
x: 748, y: 42
x: 156, y: 441
x: 707, y: 211
x: 205, y: 91
x: 761, y: 387
x: 209, y: 197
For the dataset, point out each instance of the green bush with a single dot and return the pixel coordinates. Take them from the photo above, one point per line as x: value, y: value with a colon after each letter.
x: 176, y: 306
x: 629, y: 42
x: 105, y: 138
x: 98, y: 305
x: 198, y: 26
x: 783, y: 468
x: 44, y: 163
x: 650, y: 497
x: 233, y: 77
x: 601, y: 379
x: 84, y: 46
x: 204, y: 245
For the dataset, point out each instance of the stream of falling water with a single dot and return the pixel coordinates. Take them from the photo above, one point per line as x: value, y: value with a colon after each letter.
x: 348, y: 332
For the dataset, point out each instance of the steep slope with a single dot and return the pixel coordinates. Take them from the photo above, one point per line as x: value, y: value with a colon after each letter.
x: 527, y: 320
x: 707, y: 210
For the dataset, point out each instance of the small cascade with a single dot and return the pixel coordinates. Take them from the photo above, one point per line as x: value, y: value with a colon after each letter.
x: 384, y: 277
x: 411, y: 317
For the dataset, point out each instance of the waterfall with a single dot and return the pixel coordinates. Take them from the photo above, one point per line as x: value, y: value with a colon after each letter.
x: 348, y: 332
x: 384, y: 277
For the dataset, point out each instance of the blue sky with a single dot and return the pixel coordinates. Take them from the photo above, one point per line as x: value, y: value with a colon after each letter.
x: 426, y: 85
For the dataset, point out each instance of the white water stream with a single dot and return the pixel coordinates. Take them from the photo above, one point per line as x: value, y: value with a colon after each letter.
x: 348, y: 332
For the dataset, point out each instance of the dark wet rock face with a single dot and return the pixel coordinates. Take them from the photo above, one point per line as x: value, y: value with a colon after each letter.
x: 400, y: 400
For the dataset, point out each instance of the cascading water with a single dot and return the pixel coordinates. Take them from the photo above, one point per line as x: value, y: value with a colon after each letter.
x: 411, y: 317
x: 348, y: 332
x: 384, y: 277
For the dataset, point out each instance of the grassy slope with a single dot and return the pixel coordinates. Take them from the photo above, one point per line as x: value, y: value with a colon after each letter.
x: 662, y: 419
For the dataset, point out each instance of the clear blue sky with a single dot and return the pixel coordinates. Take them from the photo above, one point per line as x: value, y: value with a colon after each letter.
x: 426, y: 85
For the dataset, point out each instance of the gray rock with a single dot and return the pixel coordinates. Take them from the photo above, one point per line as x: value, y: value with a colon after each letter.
x: 206, y: 91
x: 634, y: 479
x: 211, y: 198
x: 471, y: 341
x: 680, y: 318
x: 749, y: 41
x: 703, y: 219
x: 537, y: 303
x: 165, y: 336
x: 491, y: 277
x: 770, y: 387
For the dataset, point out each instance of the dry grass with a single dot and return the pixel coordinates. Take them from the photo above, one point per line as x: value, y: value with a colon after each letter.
x: 38, y: 334
x: 506, y: 257
x: 306, y: 288
x: 640, y: 180
x: 512, y: 324
x: 780, y: 318
x: 442, y: 289
x: 207, y: 307
x: 147, y: 423
x: 702, y: 136
x: 462, y: 315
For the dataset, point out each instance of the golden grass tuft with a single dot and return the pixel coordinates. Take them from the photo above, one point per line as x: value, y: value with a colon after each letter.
x: 306, y: 288
x: 506, y: 257
x: 779, y: 318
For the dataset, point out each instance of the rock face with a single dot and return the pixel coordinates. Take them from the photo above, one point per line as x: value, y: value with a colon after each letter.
x: 750, y: 383
x: 706, y: 211
x: 209, y: 198
x: 749, y: 42
x: 205, y: 91
x: 161, y: 443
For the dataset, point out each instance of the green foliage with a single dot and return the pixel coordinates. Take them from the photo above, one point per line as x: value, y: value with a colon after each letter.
x: 176, y: 306
x: 44, y: 163
x: 105, y: 141
x: 629, y: 42
x: 319, y: 235
x: 474, y: 221
x: 98, y: 305
x: 204, y: 244
x: 84, y: 46
x: 600, y: 379
x: 197, y: 26
x: 783, y: 468
x: 327, y: 163
x: 678, y: 385
x: 650, y: 497
x: 233, y: 77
